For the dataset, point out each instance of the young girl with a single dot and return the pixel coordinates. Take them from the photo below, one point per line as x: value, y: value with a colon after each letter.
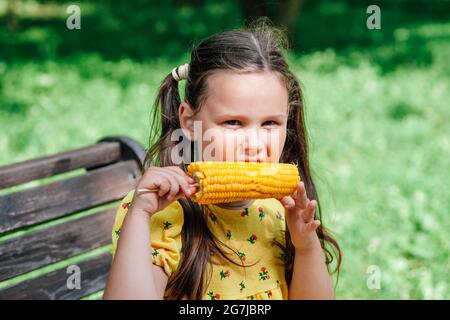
x: 167, y: 246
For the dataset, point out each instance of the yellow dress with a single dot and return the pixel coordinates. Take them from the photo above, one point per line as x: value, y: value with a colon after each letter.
x: 250, y: 231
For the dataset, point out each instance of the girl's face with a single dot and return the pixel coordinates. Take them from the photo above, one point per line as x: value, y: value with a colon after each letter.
x: 243, y: 118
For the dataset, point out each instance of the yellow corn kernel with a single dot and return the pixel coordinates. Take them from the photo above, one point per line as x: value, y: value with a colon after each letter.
x: 222, y: 182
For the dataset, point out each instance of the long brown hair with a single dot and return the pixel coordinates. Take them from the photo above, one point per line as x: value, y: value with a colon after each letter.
x: 256, y: 48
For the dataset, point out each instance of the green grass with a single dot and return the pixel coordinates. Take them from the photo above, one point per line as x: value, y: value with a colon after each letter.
x: 380, y: 148
x: 379, y: 142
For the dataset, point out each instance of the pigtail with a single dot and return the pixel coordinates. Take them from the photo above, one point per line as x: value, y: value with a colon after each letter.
x: 164, y: 120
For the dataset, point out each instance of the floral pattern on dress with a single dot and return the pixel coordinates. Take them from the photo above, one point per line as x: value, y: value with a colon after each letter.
x: 249, y: 240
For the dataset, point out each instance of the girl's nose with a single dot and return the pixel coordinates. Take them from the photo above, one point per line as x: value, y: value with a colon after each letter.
x: 254, y: 145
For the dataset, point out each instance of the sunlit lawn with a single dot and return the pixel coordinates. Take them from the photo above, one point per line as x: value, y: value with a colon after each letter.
x: 379, y: 131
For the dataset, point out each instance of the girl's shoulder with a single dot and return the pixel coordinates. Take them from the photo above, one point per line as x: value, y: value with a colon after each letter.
x: 163, y: 224
x: 170, y: 216
x: 165, y: 230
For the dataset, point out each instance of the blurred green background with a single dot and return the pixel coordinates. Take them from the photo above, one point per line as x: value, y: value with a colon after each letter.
x: 377, y: 109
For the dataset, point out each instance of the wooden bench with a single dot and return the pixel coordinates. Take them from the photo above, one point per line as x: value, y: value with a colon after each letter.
x: 49, y: 232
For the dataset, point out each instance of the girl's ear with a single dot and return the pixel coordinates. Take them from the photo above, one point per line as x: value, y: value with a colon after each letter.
x: 186, y: 116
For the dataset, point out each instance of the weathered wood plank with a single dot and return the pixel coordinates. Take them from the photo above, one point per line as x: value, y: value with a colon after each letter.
x: 42, y: 203
x: 55, y: 243
x: 95, y: 155
x: 53, y: 285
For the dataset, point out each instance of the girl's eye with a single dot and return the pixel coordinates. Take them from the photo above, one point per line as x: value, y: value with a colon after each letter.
x: 272, y: 123
x: 232, y: 122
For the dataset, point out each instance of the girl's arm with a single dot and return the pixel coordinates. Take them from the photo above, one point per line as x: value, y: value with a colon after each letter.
x: 132, y: 274
x: 310, y: 278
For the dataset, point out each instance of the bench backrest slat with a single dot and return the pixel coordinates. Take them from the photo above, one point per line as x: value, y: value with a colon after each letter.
x: 55, y: 243
x: 57, y: 199
x: 53, y: 285
x: 96, y: 155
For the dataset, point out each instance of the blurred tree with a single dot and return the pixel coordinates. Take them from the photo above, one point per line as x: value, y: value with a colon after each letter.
x: 254, y: 9
x: 189, y: 2
x: 286, y: 14
x: 11, y: 16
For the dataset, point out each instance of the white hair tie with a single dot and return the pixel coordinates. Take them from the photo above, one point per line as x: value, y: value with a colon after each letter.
x: 181, y: 72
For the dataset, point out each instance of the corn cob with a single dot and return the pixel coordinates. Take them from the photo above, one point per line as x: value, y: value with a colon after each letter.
x: 221, y: 182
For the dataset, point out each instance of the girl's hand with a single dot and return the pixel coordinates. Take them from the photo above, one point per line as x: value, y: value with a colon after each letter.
x: 300, y: 218
x: 172, y: 182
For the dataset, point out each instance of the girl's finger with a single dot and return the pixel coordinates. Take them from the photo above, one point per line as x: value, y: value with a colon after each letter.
x: 308, y: 213
x: 180, y: 171
x: 313, y: 225
x: 301, y: 200
x: 181, y: 179
x: 288, y: 202
x: 295, y: 193
x: 181, y: 194
x: 174, y: 186
x: 163, y: 185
